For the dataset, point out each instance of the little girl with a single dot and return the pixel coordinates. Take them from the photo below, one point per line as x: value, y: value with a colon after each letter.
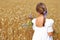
x: 42, y: 26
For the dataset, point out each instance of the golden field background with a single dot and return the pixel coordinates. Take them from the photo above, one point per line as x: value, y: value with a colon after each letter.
x: 14, y: 18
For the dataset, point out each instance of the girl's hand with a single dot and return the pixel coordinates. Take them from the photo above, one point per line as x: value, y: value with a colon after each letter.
x: 50, y: 33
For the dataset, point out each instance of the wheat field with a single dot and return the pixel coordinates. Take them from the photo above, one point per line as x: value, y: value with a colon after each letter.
x: 14, y: 18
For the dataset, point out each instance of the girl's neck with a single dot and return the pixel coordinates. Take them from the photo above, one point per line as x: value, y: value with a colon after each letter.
x: 40, y: 15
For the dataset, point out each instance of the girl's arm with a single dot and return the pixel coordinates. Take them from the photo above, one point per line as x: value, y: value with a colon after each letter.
x: 50, y: 28
x: 51, y: 33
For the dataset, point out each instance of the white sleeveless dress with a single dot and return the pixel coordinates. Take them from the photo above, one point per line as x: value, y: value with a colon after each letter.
x: 42, y: 33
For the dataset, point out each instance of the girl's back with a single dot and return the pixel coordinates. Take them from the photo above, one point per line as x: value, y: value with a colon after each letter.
x: 41, y: 33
